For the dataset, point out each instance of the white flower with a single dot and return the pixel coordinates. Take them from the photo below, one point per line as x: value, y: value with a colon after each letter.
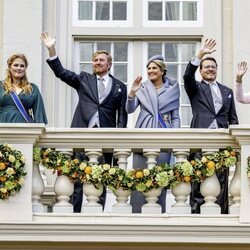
x: 106, y: 166
x: 83, y: 165
x: 112, y: 171
x: 146, y: 172
x: 10, y: 171
x: 21, y: 181
x: 23, y: 159
x: 12, y: 158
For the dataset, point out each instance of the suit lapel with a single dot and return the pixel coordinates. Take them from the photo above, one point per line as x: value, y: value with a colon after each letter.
x: 93, y: 87
x: 208, y: 95
x: 224, y: 93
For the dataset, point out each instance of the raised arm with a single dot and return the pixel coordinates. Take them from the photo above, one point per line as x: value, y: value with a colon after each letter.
x: 190, y: 83
x: 240, y: 96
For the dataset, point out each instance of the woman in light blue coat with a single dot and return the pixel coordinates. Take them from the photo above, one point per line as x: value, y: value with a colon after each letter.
x: 159, y: 101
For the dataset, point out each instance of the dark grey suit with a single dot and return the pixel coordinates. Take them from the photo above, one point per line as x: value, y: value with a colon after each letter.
x: 201, y: 100
x: 111, y: 110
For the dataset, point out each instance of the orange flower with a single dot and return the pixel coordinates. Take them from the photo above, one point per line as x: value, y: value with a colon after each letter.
x: 2, y: 165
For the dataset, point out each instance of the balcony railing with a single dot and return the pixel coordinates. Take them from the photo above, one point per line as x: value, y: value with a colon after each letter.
x: 26, y: 216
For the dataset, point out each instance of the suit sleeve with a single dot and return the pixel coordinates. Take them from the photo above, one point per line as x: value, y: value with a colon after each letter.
x: 122, y: 118
x: 232, y: 118
x: 175, y: 118
x: 190, y: 83
x: 67, y: 76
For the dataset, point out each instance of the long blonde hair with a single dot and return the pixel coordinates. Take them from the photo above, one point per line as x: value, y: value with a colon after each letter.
x: 8, y: 81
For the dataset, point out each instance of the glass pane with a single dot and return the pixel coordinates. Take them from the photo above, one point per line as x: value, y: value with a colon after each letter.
x: 172, y: 11
x: 172, y: 71
x: 188, y: 51
x: 121, y: 71
x: 121, y: 52
x: 186, y: 116
x: 119, y: 11
x: 184, y: 96
x: 171, y: 52
x: 154, y: 49
x: 104, y: 46
x: 87, y: 67
x: 189, y: 11
x: 85, y: 10
x: 86, y: 50
x: 102, y: 10
x: 154, y: 11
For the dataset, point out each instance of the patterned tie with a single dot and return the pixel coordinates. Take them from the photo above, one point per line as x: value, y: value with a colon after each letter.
x: 101, y: 88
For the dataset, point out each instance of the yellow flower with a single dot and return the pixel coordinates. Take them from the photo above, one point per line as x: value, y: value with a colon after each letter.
x: 149, y: 183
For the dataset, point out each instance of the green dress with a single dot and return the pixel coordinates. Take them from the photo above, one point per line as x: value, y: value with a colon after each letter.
x: 9, y: 113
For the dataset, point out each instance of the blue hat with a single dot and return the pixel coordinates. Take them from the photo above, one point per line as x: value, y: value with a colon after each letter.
x: 156, y: 57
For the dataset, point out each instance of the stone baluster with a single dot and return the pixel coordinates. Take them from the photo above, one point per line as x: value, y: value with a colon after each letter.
x: 37, y: 188
x: 182, y: 190
x: 210, y: 189
x: 63, y: 190
x: 122, y: 156
x: 151, y: 155
x: 151, y: 207
x: 235, y: 188
x: 91, y: 192
x: 122, y: 195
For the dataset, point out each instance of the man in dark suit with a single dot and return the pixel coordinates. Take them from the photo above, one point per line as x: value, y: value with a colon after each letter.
x: 213, y: 107
x: 102, y: 98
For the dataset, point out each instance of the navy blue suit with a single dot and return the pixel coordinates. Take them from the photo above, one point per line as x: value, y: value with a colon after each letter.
x: 111, y: 111
x: 201, y: 100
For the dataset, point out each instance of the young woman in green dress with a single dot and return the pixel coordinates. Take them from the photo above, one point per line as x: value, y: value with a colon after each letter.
x: 17, y: 84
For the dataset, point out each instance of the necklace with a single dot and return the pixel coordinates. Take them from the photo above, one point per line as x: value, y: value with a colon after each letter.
x: 158, y: 87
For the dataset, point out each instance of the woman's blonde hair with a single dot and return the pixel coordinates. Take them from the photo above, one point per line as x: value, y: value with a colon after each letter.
x: 8, y: 81
x: 162, y: 65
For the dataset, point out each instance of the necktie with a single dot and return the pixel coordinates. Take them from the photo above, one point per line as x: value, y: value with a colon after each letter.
x: 101, y: 88
x: 217, y: 100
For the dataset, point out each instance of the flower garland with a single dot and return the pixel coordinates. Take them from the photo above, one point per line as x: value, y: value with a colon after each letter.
x: 164, y: 175
x: 12, y: 171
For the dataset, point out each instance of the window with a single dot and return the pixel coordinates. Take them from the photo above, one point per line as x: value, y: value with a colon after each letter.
x: 177, y: 55
x: 173, y: 12
x: 118, y: 50
x: 102, y: 12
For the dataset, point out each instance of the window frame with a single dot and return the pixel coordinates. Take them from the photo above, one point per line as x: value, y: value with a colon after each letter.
x: 102, y: 23
x: 169, y: 23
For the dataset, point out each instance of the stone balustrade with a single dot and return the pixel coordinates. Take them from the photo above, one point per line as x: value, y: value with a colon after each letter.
x: 122, y: 143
